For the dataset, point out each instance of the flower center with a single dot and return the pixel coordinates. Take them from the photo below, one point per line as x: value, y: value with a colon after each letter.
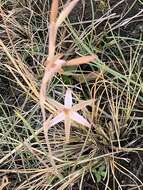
x: 66, y: 111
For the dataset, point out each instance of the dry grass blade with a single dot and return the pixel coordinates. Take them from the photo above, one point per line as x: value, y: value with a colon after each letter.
x: 66, y: 12
x: 5, y: 49
x: 22, y: 69
x: 81, y: 60
x: 49, y: 147
x: 49, y: 170
x: 4, y: 182
x: 20, y: 146
x: 70, y: 180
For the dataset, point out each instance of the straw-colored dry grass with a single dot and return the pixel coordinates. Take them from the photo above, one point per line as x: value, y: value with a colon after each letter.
x: 108, y: 88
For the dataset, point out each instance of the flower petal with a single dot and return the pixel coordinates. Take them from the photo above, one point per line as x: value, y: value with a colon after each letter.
x: 55, y: 104
x: 67, y: 127
x: 68, y: 99
x: 60, y: 117
x: 79, y: 119
x: 82, y: 104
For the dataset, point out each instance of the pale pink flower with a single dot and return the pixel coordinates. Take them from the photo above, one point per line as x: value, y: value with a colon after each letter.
x: 68, y: 113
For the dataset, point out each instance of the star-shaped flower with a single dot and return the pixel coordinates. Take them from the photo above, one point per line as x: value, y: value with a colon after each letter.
x: 69, y: 113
